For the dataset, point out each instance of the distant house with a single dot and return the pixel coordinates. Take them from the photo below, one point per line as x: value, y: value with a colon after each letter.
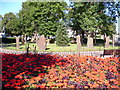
x: 71, y: 33
x: 2, y: 34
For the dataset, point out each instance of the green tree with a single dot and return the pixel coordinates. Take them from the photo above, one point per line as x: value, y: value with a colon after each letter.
x: 91, y: 18
x: 10, y: 22
x: 61, y: 36
x: 26, y: 19
x: 1, y: 23
x: 42, y: 17
x: 84, y: 17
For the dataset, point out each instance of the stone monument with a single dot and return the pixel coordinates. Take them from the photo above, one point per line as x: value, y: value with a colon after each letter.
x: 17, y: 43
x: 107, y: 42
x: 41, y: 42
x: 78, y: 42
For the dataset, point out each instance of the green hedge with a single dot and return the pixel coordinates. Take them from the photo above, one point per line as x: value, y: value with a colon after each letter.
x: 8, y: 40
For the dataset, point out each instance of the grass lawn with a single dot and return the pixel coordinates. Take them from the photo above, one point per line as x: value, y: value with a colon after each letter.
x: 55, y: 48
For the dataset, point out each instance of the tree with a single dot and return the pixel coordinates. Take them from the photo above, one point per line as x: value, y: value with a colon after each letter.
x: 61, y: 36
x: 1, y: 23
x: 42, y: 17
x: 91, y: 18
x: 10, y: 22
x: 107, y: 24
x: 84, y: 17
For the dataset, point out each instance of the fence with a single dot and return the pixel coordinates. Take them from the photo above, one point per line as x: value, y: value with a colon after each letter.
x: 91, y: 53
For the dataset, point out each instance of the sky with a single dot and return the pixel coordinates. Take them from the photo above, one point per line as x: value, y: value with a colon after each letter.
x: 7, y: 6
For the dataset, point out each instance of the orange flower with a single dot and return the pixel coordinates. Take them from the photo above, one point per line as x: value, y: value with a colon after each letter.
x: 107, y: 83
x: 72, y: 86
x: 90, y: 84
x: 60, y: 84
x: 114, y: 87
x: 72, y: 75
x: 31, y: 81
x: 100, y: 82
x: 54, y: 78
x: 112, y: 80
x: 95, y: 85
x: 59, y: 80
x: 25, y: 86
x: 65, y: 81
x: 116, y: 82
x: 87, y: 73
x: 85, y: 86
x: 18, y: 76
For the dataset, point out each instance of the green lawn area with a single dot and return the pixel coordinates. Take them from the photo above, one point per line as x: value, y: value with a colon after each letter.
x: 55, y: 48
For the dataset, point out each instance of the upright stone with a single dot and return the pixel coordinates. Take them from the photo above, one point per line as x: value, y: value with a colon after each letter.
x: 78, y: 42
x: 22, y: 39
x: 17, y: 42
x: 107, y: 42
x: 41, y: 42
x: 25, y: 38
x: 48, y: 41
x: 113, y: 39
x: 90, y: 42
x: 32, y: 39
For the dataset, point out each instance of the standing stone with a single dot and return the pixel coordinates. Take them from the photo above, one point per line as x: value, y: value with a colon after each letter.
x: 48, y: 41
x: 78, y: 42
x: 32, y: 39
x: 22, y: 39
x: 17, y: 42
x: 25, y: 38
x: 41, y: 42
x: 107, y: 42
x: 113, y: 40
x: 90, y: 42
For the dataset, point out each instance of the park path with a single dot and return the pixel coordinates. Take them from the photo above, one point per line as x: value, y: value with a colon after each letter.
x: 91, y: 53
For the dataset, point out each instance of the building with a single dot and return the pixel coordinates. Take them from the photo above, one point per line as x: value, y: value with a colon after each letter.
x: 71, y: 33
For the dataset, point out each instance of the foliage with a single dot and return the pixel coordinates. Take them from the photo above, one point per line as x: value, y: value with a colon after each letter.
x: 42, y: 17
x: 11, y: 22
x: 9, y: 40
x: 54, y: 71
x: 1, y: 26
x: 93, y: 17
x: 62, y: 36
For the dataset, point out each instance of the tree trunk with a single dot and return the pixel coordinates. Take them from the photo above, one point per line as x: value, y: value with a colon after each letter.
x: 113, y: 40
x: 107, y: 42
x: 78, y: 42
x: 90, y: 42
x: 17, y: 43
x: 83, y: 36
x: 22, y: 39
x: 48, y: 41
x: 35, y: 36
x: 25, y: 39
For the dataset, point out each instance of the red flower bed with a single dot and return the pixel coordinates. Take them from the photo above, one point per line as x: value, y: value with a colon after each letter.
x: 54, y: 71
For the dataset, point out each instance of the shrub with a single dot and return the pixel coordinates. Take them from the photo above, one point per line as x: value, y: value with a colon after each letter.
x: 62, y: 37
x: 8, y: 40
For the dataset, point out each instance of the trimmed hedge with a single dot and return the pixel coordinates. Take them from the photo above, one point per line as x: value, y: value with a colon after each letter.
x: 8, y: 40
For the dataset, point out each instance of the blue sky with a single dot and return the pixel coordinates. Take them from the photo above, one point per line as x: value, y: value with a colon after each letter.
x: 7, y: 6
x: 10, y: 7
